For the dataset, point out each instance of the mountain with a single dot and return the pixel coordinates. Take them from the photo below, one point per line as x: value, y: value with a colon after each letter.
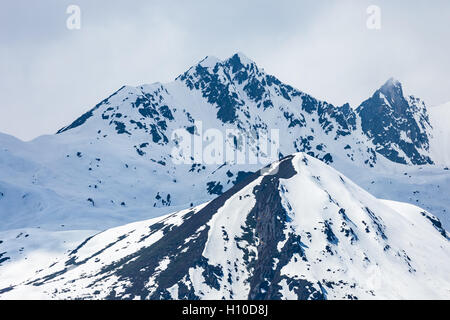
x: 116, y: 163
x: 399, y: 127
x: 237, y: 92
x: 233, y: 94
x: 296, y: 230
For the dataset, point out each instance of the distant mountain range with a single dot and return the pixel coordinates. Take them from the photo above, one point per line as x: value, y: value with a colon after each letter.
x: 116, y: 164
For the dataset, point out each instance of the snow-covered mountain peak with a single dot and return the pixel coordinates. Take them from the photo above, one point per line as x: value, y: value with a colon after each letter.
x: 391, y: 83
x: 398, y: 126
x: 304, y: 231
x: 245, y: 60
x: 218, y: 77
x: 242, y: 95
x: 392, y: 92
x: 209, y: 62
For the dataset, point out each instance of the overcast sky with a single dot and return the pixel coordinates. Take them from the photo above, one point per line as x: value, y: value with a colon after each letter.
x: 49, y: 75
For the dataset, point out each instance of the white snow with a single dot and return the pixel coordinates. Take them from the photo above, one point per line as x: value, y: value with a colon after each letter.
x: 393, y: 251
x: 440, y: 144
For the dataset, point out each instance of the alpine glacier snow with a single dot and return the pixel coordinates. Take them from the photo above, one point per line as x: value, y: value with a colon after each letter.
x: 114, y: 165
x: 300, y: 230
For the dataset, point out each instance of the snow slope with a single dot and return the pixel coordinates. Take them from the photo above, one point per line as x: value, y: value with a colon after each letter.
x: 298, y: 230
x: 440, y: 144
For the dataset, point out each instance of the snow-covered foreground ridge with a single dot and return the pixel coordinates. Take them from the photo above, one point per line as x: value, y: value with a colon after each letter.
x: 300, y: 230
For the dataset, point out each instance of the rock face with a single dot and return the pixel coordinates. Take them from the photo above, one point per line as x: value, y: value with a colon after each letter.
x: 398, y: 126
x: 295, y: 230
